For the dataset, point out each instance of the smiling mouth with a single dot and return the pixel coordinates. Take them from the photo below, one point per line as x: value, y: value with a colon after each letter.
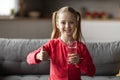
x: 67, y: 31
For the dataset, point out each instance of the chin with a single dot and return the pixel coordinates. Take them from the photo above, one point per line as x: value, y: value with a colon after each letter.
x: 68, y: 35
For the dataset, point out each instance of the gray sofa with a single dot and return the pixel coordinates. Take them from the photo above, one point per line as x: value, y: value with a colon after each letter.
x: 13, y: 65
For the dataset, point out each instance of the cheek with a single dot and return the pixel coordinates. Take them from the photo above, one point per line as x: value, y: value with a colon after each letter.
x: 58, y: 25
x: 59, y: 28
x: 75, y: 26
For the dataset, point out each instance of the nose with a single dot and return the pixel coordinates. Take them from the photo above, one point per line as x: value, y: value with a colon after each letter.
x: 67, y: 25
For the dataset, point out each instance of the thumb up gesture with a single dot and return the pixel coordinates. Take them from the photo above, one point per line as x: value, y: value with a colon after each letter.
x: 43, y: 55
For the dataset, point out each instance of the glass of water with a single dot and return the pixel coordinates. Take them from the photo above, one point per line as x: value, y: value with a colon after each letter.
x: 72, y: 48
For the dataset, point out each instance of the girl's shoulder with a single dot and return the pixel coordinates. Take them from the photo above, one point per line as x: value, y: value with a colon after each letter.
x: 53, y: 41
x: 81, y: 44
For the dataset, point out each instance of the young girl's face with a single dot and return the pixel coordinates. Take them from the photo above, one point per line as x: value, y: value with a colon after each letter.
x: 66, y: 23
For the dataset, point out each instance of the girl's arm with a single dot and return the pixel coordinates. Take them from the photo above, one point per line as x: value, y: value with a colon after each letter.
x: 37, y: 56
x: 87, y: 66
x: 31, y: 57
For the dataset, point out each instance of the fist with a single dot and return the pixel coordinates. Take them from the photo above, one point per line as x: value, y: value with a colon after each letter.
x: 73, y: 59
x: 43, y: 55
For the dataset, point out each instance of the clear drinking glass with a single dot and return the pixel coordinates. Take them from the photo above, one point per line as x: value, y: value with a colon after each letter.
x: 72, y: 48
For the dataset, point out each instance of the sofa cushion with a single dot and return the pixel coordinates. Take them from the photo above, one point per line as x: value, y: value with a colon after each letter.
x: 106, y: 56
x: 45, y: 77
x: 24, y: 77
x: 13, y: 53
x: 100, y: 78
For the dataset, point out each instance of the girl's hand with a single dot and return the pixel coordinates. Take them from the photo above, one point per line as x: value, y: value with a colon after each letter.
x: 73, y: 59
x: 43, y: 55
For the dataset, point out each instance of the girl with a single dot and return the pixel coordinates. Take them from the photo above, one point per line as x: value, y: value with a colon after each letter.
x: 64, y: 66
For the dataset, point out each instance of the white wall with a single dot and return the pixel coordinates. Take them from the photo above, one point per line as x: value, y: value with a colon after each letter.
x: 93, y: 30
x: 101, y: 30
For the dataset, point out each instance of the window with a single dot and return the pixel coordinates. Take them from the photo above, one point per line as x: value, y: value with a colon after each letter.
x: 6, y: 6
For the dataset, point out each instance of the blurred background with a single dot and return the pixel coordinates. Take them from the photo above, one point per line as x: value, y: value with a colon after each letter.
x: 43, y: 8
x: 32, y: 18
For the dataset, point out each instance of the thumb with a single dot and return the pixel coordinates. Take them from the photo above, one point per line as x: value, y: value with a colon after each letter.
x: 42, y: 48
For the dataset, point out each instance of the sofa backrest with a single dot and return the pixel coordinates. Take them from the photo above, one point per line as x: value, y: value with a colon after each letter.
x: 106, y: 56
x: 13, y: 54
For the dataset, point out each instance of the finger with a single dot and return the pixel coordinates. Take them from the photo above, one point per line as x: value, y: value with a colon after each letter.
x: 72, y: 55
x: 42, y: 48
x: 42, y: 51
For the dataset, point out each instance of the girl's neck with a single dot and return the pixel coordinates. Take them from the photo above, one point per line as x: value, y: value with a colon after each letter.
x: 67, y: 39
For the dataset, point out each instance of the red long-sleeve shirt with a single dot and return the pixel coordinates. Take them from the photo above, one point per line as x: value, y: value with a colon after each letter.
x: 59, y: 67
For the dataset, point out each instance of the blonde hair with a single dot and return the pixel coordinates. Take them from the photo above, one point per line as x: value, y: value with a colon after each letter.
x: 77, y: 34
